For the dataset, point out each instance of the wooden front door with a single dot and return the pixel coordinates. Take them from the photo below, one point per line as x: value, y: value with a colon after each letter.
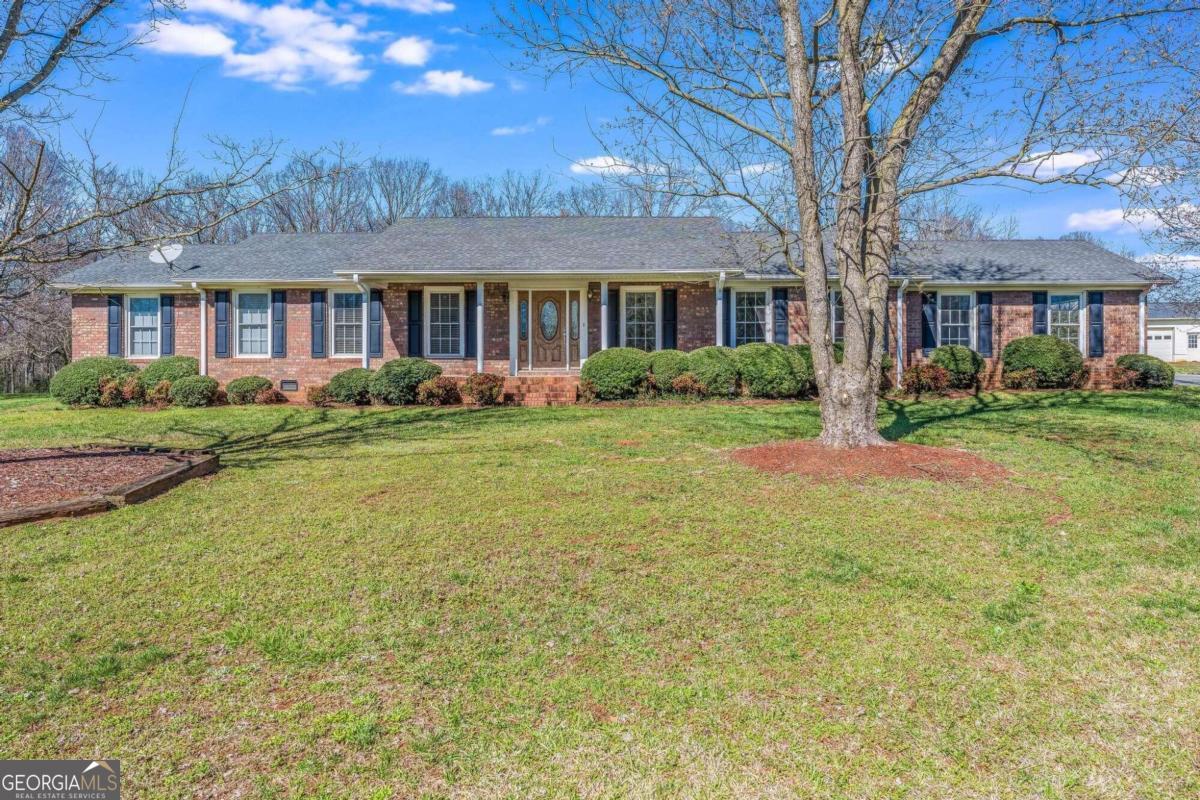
x: 546, y: 323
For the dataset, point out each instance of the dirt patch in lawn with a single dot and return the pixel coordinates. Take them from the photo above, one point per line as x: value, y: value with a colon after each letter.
x: 813, y: 459
x: 35, y: 477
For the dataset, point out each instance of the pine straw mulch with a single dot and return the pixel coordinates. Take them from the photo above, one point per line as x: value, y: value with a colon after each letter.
x: 812, y: 459
x: 34, y: 477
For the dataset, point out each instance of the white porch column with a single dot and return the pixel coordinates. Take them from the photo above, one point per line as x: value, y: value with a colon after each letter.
x: 603, y: 315
x: 479, y: 338
x: 721, y: 310
x: 1142, y: 322
x: 203, y: 330
x: 512, y: 332
x: 583, y: 324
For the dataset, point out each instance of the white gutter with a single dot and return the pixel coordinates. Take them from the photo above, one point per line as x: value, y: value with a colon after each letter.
x: 901, y: 329
x: 203, y: 329
x: 720, y: 308
x: 366, y: 319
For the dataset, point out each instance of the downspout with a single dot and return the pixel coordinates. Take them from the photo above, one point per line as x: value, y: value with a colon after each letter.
x: 1142, y: 323
x: 901, y: 330
x: 366, y: 317
x: 203, y: 329
x: 721, y: 308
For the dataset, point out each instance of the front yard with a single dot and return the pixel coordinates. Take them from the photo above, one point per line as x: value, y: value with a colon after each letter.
x: 599, y: 602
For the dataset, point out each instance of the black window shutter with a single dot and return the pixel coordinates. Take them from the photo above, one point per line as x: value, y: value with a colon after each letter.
x: 166, y: 324
x: 928, y: 321
x: 115, y: 303
x: 1040, y: 326
x: 469, y: 328
x: 221, y: 315
x: 983, y: 302
x: 726, y: 314
x: 278, y: 323
x: 670, y: 312
x: 614, y: 317
x: 416, y: 300
x: 316, y: 305
x: 779, y: 296
x: 1095, y: 324
x: 376, y: 319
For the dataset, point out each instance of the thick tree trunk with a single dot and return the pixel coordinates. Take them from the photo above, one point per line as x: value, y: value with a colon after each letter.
x: 848, y: 410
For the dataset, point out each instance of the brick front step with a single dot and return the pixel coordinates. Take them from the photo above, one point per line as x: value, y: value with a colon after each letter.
x: 542, y: 390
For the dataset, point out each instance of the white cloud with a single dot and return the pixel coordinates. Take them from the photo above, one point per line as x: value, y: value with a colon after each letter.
x: 602, y: 165
x: 755, y: 170
x: 415, y: 6
x: 452, y: 83
x: 521, y: 130
x: 1048, y: 164
x: 1099, y: 220
x: 180, y: 38
x: 284, y: 45
x: 411, y: 51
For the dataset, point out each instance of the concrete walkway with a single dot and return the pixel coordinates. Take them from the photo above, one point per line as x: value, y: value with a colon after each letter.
x: 1186, y: 379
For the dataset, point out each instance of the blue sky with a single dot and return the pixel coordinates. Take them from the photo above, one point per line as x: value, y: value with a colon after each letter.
x: 415, y: 78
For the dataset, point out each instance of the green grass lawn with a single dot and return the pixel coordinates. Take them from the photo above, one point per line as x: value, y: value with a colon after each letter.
x: 1189, y: 367
x: 597, y: 602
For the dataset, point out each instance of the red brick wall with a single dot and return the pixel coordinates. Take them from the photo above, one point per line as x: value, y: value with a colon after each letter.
x: 89, y: 325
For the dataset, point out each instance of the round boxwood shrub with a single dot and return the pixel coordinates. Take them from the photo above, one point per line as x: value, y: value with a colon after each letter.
x: 930, y: 378
x: 168, y: 368
x: 616, y: 373
x: 771, y: 370
x: 716, y: 370
x: 1148, y: 372
x: 396, y: 382
x: 244, y: 391
x: 78, y: 383
x: 484, y: 389
x: 1057, y: 363
x: 351, y: 386
x: 666, y: 366
x: 962, y: 363
x: 194, y: 391
x: 439, y: 391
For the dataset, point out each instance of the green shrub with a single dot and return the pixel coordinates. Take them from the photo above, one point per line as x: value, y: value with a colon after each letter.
x: 243, y: 391
x: 1057, y: 363
x: 772, y: 370
x: 922, y: 379
x: 318, y: 395
x: 484, y: 388
x: 194, y: 391
x: 1020, y: 379
x: 963, y: 364
x: 716, y: 370
x: 169, y: 368
x: 396, y: 382
x: 269, y: 396
x: 159, y: 395
x: 1148, y: 372
x: 616, y: 373
x: 439, y: 391
x: 351, y: 386
x: 78, y: 383
x: 686, y: 385
x: 666, y: 366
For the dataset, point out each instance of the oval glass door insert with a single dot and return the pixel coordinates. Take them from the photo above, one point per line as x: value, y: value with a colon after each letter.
x: 548, y: 320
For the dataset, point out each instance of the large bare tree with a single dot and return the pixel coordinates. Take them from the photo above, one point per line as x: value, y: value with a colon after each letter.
x: 826, y: 118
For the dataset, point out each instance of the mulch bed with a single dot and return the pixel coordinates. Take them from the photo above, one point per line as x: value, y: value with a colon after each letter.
x: 814, y: 460
x: 39, y: 476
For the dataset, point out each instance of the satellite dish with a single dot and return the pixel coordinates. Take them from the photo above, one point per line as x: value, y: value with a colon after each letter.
x: 165, y: 253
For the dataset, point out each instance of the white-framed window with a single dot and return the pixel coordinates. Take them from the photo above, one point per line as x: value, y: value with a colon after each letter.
x: 143, y: 327
x: 253, y: 317
x: 640, y: 318
x: 347, y: 323
x: 444, y: 321
x: 751, y: 311
x: 955, y: 319
x: 1065, y: 317
x: 837, y: 316
x: 1193, y: 341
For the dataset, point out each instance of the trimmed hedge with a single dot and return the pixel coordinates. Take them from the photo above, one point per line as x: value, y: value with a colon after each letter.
x: 78, y: 383
x: 962, y: 363
x: 1058, y: 364
x: 351, y: 386
x: 244, y: 391
x: 194, y: 391
x: 926, y: 379
x: 716, y: 370
x: 772, y: 370
x: 617, y: 373
x: 396, y: 382
x: 666, y: 366
x: 484, y: 388
x: 439, y: 391
x: 168, y: 368
x: 1148, y: 372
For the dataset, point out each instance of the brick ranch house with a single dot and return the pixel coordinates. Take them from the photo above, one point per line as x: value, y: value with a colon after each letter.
x: 532, y: 297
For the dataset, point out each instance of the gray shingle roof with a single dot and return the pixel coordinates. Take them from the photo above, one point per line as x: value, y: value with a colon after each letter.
x: 585, y: 245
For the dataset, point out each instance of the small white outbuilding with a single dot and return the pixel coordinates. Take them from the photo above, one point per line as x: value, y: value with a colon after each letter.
x: 1173, y: 332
